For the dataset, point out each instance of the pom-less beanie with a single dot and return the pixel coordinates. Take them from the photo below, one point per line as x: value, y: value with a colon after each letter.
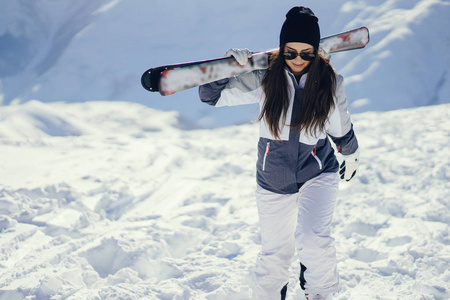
x: 301, y: 25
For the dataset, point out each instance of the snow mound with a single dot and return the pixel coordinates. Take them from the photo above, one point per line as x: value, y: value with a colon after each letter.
x: 36, y: 119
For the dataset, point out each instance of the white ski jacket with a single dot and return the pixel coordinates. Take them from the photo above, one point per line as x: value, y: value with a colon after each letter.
x: 284, y: 165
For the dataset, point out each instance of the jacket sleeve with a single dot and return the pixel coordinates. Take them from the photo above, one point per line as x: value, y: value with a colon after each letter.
x: 237, y: 90
x: 340, y: 127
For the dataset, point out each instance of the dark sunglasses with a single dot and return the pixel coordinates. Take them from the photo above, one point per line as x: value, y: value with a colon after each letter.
x: 303, y: 55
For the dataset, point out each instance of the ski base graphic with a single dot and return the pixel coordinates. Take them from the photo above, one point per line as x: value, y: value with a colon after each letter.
x: 170, y: 79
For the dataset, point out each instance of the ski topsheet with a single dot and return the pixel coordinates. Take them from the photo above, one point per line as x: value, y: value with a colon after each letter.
x: 170, y: 79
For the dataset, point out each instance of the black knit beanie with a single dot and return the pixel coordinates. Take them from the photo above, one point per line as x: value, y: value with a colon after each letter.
x: 301, y: 25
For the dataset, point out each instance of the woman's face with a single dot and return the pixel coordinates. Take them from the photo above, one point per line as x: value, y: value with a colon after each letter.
x: 297, y: 65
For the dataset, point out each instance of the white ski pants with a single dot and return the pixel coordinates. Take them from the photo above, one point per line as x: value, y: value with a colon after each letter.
x: 299, y: 221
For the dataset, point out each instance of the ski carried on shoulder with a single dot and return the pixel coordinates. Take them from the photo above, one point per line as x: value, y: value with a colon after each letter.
x: 170, y: 79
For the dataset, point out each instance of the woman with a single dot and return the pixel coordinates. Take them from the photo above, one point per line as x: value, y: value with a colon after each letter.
x: 302, y: 102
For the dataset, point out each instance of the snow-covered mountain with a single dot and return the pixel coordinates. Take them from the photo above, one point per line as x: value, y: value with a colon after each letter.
x: 97, y: 49
x: 111, y: 200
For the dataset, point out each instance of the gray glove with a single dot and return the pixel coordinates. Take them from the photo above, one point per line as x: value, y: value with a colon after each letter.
x: 240, y: 55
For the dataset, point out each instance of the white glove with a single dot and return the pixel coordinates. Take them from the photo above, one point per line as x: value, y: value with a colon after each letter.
x: 349, y: 166
x: 240, y: 55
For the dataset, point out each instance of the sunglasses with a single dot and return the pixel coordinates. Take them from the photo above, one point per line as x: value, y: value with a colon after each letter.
x: 303, y: 55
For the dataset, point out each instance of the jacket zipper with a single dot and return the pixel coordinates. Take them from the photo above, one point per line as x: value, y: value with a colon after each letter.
x: 313, y: 153
x: 265, y: 156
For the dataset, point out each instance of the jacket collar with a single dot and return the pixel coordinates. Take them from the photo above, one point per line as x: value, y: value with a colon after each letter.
x: 300, y: 84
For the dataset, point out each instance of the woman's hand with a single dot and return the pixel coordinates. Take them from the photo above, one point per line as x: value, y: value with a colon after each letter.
x: 349, y: 166
x: 241, y: 55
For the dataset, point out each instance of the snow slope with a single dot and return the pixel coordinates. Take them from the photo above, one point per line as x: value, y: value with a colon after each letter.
x: 97, y: 49
x: 112, y: 200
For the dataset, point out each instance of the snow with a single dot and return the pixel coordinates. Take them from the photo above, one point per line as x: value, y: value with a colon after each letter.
x: 108, y: 191
x: 122, y: 203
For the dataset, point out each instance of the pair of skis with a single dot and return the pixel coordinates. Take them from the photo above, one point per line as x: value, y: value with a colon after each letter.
x: 170, y: 79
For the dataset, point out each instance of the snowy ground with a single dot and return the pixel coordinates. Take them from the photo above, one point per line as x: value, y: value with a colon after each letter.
x: 104, y: 200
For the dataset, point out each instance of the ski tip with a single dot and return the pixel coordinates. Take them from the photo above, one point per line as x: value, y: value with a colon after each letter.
x: 150, y: 79
x: 146, y: 81
x: 368, y: 34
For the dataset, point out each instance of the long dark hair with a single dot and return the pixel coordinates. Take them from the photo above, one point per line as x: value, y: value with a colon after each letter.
x: 317, y: 96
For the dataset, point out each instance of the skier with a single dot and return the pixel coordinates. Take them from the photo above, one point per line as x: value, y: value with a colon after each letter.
x: 302, y: 103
